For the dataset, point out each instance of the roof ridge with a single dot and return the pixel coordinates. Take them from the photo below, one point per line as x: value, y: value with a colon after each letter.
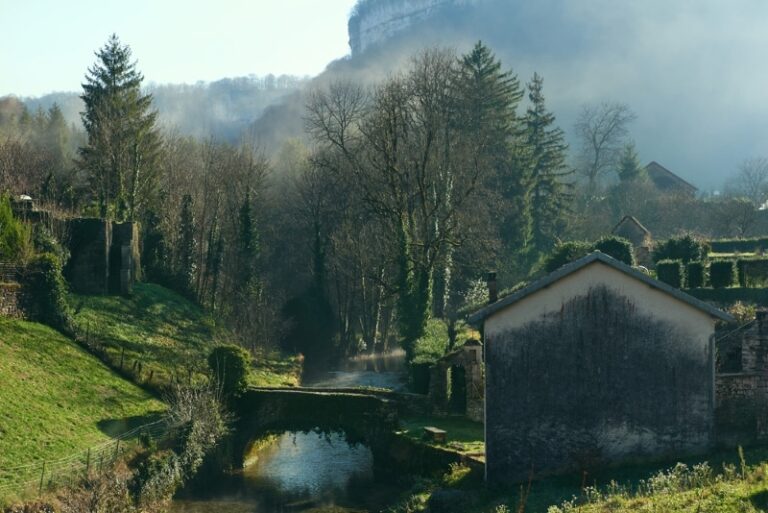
x: 596, y: 256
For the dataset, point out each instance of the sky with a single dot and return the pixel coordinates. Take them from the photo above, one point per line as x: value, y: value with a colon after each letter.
x: 47, y: 45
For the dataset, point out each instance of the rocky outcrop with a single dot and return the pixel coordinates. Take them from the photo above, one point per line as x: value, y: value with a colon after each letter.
x: 375, y: 21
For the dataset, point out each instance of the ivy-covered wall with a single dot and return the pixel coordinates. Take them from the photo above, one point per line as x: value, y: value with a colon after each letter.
x: 596, y: 381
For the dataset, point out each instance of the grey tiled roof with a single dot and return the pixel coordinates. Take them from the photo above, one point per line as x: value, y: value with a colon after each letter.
x: 576, y: 265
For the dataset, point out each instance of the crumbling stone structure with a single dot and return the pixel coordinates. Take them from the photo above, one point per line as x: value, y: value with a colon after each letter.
x: 104, y: 256
x: 456, y: 384
x: 742, y: 384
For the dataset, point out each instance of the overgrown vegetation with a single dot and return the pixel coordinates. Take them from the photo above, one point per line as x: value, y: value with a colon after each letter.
x: 161, y: 337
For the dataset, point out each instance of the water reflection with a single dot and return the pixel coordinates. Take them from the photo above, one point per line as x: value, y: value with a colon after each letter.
x: 303, y: 471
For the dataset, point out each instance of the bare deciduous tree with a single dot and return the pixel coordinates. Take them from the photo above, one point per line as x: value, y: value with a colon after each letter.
x: 602, y: 131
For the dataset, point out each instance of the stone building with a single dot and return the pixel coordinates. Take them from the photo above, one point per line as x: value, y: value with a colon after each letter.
x: 596, y: 364
x: 456, y: 383
x: 631, y: 229
x: 667, y: 181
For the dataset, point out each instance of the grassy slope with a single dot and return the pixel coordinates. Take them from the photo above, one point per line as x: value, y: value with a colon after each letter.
x: 56, y: 399
x: 165, y: 332
x: 463, y: 435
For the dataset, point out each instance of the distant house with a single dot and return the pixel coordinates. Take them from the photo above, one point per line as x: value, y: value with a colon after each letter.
x: 667, y: 181
x: 596, y: 363
x: 631, y: 229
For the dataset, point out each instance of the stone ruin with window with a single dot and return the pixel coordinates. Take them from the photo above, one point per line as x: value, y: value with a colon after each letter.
x: 741, y: 407
x: 456, y: 385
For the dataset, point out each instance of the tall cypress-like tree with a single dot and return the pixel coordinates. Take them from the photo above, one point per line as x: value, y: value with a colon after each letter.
x: 187, y: 245
x: 545, y: 154
x: 123, y: 140
x: 489, y: 98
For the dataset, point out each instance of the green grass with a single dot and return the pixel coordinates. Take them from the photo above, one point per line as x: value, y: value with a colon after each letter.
x: 463, y: 435
x: 56, y: 399
x: 726, y: 484
x: 167, y: 334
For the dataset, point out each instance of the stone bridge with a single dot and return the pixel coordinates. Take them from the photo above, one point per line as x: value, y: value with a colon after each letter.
x: 364, y: 415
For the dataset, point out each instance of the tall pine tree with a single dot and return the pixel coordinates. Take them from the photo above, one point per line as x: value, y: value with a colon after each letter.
x: 545, y: 154
x: 123, y: 140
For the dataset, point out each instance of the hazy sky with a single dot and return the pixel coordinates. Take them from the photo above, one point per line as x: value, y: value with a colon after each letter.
x: 47, y: 45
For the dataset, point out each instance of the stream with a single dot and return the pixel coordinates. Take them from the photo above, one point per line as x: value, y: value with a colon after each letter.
x: 299, y: 472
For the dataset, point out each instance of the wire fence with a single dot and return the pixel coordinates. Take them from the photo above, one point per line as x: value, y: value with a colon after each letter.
x: 42, y: 475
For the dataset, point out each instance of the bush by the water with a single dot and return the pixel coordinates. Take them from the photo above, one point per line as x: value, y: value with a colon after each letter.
x: 670, y: 272
x: 230, y: 365
x: 686, y: 248
x: 695, y: 275
x: 722, y: 273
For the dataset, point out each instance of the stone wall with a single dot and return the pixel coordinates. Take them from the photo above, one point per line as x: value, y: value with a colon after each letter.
x: 742, y: 385
x: 12, y: 301
x: 104, y: 257
x: 469, y: 358
x: 594, y: 382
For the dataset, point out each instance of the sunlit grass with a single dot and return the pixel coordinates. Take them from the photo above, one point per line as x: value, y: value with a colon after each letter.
x: 56, y: 399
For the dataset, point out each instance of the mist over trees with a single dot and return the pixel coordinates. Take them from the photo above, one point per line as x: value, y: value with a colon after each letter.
x: 383, y: 214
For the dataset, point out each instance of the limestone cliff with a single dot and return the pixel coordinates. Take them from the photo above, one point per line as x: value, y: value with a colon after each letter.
x: 374, y: 21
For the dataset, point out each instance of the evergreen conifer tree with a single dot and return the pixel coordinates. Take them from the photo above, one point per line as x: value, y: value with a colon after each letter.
x: 630, y: 168
x: 187, y: 245
x: 545, y: 155
x: 123, y: 140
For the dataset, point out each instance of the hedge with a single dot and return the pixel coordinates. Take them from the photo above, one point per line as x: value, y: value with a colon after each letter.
x: 694, y: 275
x: 685, y: 248
x: 722, y: 273
x: 739, y: 245
x: 671, y: 272
x: 732, y: 295
x: 616, y: 247
x: 751, y: 270
x: 565, y: 253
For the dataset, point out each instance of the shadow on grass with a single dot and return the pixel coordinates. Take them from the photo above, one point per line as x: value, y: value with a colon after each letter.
x: 760, y: 500
x: 116, y: 427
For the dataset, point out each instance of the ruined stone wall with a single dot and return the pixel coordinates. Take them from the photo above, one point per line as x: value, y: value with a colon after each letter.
x: 105, y: 256
x: 12, y: 301
x: 596, y: 381
x: 88, y: 267
x: 742, y: 385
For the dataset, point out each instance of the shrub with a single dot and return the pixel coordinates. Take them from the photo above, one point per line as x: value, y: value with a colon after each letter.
x: 670, y: 272
x: 566, y: 252
x: 685, y: 248
x: 15, y: 236
x: 722, y: 273
x: 47, y: 292
x: 431, y: 346
x: 618, y: 248
x: 694, y: 275
x: 739, y: 245
x: 230, y: 365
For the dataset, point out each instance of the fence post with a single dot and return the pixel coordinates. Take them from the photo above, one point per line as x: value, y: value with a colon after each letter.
x: 42, y: 476
x: 88, y: 463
